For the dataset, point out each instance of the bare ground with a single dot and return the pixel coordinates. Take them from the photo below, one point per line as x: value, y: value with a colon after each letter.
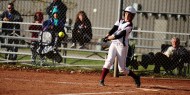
x: 29, y: 82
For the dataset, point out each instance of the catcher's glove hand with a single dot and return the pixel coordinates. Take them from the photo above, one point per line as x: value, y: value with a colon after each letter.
x: 105, y: 39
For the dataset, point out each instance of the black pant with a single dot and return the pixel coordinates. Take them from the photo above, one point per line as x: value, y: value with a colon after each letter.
x: 78, y: 37
x: 12, y: 49
x: 167, y: 63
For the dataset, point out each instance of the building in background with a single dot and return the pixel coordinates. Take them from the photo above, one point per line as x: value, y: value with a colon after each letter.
x: 153, y: 16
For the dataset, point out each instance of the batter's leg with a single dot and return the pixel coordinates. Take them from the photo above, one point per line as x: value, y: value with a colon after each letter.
x: 122, y: 54
x: 108, y: 63
x: 105, y: 71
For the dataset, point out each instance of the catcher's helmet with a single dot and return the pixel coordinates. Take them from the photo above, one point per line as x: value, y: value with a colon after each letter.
x: 130, y: 9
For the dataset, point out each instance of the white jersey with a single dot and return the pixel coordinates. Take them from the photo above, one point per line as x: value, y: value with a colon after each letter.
x: 127, y: 26
x: 175, y: 51
x: 169, y: 51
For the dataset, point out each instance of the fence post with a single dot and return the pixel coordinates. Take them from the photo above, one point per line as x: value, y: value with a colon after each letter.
x: 116, y: 71
x: 120, y: 8
x: 65, y: 53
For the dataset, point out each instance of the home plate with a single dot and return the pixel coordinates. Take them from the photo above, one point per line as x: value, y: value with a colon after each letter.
x: 145, y: 89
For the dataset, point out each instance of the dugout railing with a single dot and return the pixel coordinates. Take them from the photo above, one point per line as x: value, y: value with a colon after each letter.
x: 100, y: 36
x: 28, y: 39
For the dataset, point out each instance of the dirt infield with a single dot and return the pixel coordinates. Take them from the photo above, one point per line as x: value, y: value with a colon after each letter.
x: 44, y: 83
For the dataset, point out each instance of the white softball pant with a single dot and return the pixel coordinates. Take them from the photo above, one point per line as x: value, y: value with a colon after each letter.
x: 119, y: 51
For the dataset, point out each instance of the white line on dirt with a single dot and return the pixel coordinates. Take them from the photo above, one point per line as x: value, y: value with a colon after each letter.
x: 100, y: 93
x: 146, y: 89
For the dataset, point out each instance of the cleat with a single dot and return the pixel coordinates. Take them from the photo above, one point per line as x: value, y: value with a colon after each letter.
x: 82, y: 47
x: 73, y: 45
x: 101, y: 83
x: 138, y: 82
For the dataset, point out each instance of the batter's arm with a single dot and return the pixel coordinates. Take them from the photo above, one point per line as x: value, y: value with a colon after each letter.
x: 121, y: 34
x: 114, y: 28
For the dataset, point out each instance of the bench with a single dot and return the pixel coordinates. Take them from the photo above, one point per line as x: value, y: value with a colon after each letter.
x: 86, y: 57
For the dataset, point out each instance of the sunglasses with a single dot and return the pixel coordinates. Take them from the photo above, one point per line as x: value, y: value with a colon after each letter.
x: 10, y: 8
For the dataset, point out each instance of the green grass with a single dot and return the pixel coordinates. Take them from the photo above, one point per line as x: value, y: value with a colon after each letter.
x: 72, y: 61
x: 83, y: 53
x: 83, y: 62
x: 68, y: 60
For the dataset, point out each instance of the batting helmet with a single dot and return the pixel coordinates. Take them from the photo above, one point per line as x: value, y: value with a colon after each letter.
x: 130, y: 9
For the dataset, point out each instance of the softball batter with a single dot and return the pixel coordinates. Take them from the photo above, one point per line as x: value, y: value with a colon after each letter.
x: 119, y: 46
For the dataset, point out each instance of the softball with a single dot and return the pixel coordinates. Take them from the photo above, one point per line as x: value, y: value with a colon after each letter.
x: 61, y: 34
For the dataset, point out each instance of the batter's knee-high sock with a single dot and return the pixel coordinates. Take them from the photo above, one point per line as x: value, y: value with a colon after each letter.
x: 133, y: 75
x: 105, y: 71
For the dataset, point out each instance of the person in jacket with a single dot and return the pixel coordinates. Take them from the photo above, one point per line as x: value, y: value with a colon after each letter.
x: 38, y: 18
x: 11, y: 15
x: 82, y: 31
x: 55, y: 24
x: 60, y: 6
x: 171, y: 57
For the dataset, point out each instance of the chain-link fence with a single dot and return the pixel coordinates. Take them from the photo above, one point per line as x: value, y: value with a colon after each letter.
x: 155, y: 24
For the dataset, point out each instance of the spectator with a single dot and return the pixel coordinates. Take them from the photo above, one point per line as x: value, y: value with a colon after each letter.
x: 82, y: 31
x: 174, y: 56
x: 56, y: 25
x: 38, y: 18
x: 11, y: 15
x: 60, y: 6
